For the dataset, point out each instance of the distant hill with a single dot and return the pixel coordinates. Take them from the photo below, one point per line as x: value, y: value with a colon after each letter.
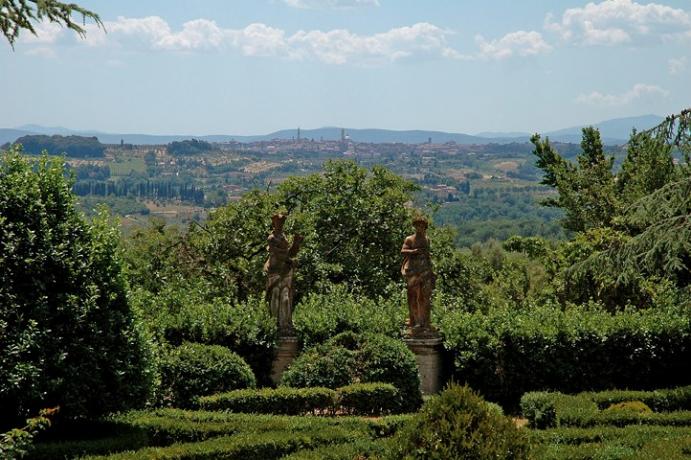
x: 499, y: 134
x: 614, y: 132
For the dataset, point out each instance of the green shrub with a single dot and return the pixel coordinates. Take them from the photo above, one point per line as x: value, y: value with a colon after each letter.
x: 324, y: 365
x: 351, y: 358
x: 68, y: 334
x: 183, y: 312
x: 506, y: 353
x: 192, y: 370
x: 459, y: 424
x: 630, y: 406
x: 539, y: 408
x: 368, y: 398
x: 320, y: 316
x: 282, y: 400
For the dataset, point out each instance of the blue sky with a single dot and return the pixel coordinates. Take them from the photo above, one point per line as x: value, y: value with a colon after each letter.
x: 251, y: 67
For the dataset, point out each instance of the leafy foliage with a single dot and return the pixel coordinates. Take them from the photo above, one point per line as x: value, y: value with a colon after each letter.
x: 506, y: 352
x: 16, y: 442
x: 182, y: 312
x: 638, y: 214
x: 17, y: 15
x: 192, y: 370
x: 320, y: 316
x: 459, y: 424
x: 350, y: 358
x: 68, y: 334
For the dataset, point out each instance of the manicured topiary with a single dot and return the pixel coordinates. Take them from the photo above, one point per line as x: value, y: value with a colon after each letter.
x: 192, y: 370
x: 459, y: 424
x: 368, y: 398
x: 352, y: 358
x: 630, y: 406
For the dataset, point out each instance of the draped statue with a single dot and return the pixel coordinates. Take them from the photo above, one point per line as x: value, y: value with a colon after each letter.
x: 279, y: 269
x: 417, y: 271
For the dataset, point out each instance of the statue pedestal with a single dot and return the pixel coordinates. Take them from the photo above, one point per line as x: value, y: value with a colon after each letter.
x: 427, y: 352
x: 286, y: 351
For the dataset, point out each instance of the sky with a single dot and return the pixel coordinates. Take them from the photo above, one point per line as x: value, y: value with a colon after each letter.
x: 255, y: 66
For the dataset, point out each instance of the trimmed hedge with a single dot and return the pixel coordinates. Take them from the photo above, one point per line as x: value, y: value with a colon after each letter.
x: 368, y: 398
x: 361, y: 449
x: 632, y: 442
x: 355, y: 399
x: 282, y: 400
x: 193, y: 370
x: 658, y: 400
x: 545, y: 409
x: 245, y: 446
x: 165, y: 427
x: 506, y: 353
x: 351, y: 358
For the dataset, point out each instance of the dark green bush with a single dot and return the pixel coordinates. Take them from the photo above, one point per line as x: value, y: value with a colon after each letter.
x: 324, y: 365
x: 351, y: 358
x: 506, y: 353
x: 368, y: 398
x: 68, y: 334
x: 192, y: 370
x: 459, y: 424
x: 182, y: 312
x: 282, y: 400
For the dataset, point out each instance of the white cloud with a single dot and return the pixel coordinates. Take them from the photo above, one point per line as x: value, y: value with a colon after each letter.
x: 638, y: 91
x: 324, y: 4
x: 677, y: 66
x: 341, y: 46
x: 616, y: 22
x: 338, y: 46
x: 520, y: 43
x: 46, y: 33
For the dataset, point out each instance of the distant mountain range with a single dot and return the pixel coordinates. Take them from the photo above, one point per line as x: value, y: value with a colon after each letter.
x: 614, y: 132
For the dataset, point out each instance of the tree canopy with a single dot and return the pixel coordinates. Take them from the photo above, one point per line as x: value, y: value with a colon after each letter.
x: 18, y: 15
x: 633, y: 223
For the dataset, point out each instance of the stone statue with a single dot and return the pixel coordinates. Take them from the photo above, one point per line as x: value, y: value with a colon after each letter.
x: 417, y: 270
x: 279, y: 269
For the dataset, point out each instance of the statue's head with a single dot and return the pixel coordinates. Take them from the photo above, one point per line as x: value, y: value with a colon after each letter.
x: 420, y: 223
x: 277, y: 220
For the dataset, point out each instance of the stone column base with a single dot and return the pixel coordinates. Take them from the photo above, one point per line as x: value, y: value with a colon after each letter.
x: 429, y: 362
x: 286, y: 351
